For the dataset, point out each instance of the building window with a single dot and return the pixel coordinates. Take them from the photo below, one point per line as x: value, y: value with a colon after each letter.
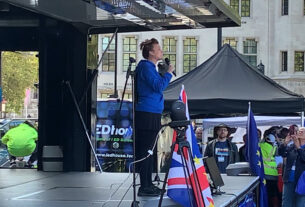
x: 108, y: 62
x: 245, y: 8
x: 129, y: 50
x: 235, y: 5
x: 189, y: 54
x: 250, y: 51
x: 169, y: 49
x: 284, y: 60
x: 285, y: 7
x: 242, y: 7
x: 299, y: 61
x: 231, y: 41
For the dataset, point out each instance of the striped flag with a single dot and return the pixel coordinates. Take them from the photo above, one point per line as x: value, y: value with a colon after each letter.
x: 184, y: 190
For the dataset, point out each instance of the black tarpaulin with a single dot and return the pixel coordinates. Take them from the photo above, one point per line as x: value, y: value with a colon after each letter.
x: 225, y: 83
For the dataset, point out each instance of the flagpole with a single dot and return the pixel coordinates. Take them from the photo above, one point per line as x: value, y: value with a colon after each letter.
x: 248, y: 131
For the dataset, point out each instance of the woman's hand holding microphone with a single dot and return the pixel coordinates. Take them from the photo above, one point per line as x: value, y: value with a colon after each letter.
x: 171, y: 68
x: 165, y: 66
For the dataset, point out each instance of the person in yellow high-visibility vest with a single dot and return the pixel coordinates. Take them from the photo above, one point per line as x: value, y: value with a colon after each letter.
x: 270, y: 168
x: 21, y: 142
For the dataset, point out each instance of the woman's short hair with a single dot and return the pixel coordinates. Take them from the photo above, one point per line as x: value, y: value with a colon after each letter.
x: 147, y: 46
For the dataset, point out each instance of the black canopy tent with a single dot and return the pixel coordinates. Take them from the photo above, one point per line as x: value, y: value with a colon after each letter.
x: 225, y: 83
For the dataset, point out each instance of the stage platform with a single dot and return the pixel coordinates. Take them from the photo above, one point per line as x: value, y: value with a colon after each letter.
x: 32, y: 188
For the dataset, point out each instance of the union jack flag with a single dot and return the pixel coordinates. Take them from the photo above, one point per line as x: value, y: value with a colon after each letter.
x: 184, y: 190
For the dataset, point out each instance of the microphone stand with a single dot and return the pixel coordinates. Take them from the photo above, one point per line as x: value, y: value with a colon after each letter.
x: 135, y: 203
x: 130, y: 73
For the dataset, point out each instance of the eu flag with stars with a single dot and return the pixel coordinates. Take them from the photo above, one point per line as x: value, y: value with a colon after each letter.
x: 254, y: 156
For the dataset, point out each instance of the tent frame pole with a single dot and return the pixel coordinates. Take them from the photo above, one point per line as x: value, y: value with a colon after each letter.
x: 302, y: 119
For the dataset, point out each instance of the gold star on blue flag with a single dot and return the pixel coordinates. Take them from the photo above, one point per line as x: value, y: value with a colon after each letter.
x: 259, y: 164
x: 196, y: 160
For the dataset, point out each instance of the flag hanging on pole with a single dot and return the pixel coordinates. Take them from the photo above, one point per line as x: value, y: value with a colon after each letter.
x: 254, y: 156
x: 177, y: 184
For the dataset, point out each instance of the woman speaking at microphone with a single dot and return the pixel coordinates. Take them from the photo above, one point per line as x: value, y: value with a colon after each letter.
x: 149, y: 106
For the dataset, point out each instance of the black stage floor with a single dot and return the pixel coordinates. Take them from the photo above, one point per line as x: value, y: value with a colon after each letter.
x: 32, y: 188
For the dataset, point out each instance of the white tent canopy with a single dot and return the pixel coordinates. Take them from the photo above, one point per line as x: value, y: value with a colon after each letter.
x: 260, y: 121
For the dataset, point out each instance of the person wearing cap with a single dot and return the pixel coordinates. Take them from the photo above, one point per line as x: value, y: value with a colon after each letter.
x: 21, y: 142
x: 293, y: 149
x: 222, y: 149
x: 269, y: 151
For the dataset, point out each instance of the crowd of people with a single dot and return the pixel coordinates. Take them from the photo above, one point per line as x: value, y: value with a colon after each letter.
x: 283, y: 153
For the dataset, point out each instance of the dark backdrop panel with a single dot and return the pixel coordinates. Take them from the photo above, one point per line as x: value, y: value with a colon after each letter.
x: 63, y: 58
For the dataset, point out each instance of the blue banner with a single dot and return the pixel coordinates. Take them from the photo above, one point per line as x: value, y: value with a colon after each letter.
x: 114, y: 144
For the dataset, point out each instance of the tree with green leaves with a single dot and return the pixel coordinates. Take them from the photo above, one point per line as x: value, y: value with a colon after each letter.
x: 19, y: 72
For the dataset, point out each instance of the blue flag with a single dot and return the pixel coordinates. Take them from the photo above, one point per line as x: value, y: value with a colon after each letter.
x: 254, y: 157
x: 248, y: 201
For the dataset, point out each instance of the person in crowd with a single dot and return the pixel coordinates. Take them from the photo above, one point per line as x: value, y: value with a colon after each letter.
x: 269, y: 151
x: 276, y: 131
x: 222, y: 149
x: 164, y: 141
x: 165, y: 162
x: 259, y: 134
x: 293, y: 129
x: 149, y: 106
x: 283, y: 134
x: 280, y: 161
x: 21, y: 142
x: 198, y: 134
x: 272, y: 130
x: 293, y: 149
x: 242, y: 149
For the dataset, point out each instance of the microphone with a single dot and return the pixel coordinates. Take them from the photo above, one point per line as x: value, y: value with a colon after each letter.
x: 167, y: 61
x: 132, y: 60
